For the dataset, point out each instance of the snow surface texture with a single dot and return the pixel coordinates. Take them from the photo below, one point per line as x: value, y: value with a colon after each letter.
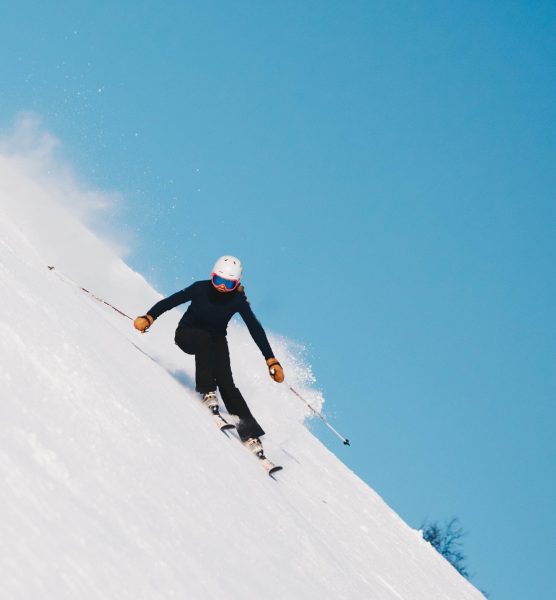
x: 116, y: 484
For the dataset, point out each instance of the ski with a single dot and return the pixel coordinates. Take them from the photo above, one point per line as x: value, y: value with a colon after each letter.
x: 211, y: 402
x: 269, y: 466
x: 220, y: 422
x: 224, y: 426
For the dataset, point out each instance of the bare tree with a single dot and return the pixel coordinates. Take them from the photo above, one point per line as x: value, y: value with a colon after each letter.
x: 447, y: 540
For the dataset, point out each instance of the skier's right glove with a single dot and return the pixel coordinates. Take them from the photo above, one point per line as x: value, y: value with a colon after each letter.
x: 143, y: 323
x: 275, y: 370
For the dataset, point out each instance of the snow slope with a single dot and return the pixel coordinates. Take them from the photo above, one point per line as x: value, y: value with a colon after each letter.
x: 115, y: 484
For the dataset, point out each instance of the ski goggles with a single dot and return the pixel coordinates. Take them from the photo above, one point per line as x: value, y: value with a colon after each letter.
x: 229, y: 284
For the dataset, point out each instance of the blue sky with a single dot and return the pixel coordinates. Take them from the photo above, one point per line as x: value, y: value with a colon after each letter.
x: 387, y: 172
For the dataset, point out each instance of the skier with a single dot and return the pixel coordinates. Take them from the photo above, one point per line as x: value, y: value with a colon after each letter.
x: 202, y: 332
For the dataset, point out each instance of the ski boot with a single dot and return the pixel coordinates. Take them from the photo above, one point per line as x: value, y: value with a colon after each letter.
x: 211, y: 402
x: 255, y: 446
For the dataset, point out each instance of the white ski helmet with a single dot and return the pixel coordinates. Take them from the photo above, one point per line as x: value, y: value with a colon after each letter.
x: 228, y: 267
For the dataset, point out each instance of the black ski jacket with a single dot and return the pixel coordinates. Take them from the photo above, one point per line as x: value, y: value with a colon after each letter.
x: 212, y: 310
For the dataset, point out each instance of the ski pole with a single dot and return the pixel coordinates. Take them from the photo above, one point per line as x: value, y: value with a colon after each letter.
x: 320, y: 416
x: 313, y: 410
x: 70, y: 280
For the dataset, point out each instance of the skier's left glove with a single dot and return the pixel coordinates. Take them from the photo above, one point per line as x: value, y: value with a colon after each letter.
x: 275, y: 370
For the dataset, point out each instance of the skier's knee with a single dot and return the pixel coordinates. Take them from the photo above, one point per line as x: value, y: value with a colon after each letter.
x: 185, y: 341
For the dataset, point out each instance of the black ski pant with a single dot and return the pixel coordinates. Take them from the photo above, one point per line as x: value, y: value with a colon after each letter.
x: 213, y: 370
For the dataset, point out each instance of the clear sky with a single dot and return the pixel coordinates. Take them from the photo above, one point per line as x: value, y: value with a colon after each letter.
x: 386, y: 171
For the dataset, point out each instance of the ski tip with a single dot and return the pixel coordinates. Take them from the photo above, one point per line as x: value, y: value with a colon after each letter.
x: 274, y: 469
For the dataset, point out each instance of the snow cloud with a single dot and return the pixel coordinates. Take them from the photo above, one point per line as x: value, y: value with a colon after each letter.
x: 34, y: 170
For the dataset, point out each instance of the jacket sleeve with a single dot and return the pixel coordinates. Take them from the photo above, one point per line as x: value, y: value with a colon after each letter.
x: 255, y: 329
x: 171, y: 302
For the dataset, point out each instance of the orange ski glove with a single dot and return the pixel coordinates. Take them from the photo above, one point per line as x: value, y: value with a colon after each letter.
x: 143, y: 323
x: 275, y: 370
